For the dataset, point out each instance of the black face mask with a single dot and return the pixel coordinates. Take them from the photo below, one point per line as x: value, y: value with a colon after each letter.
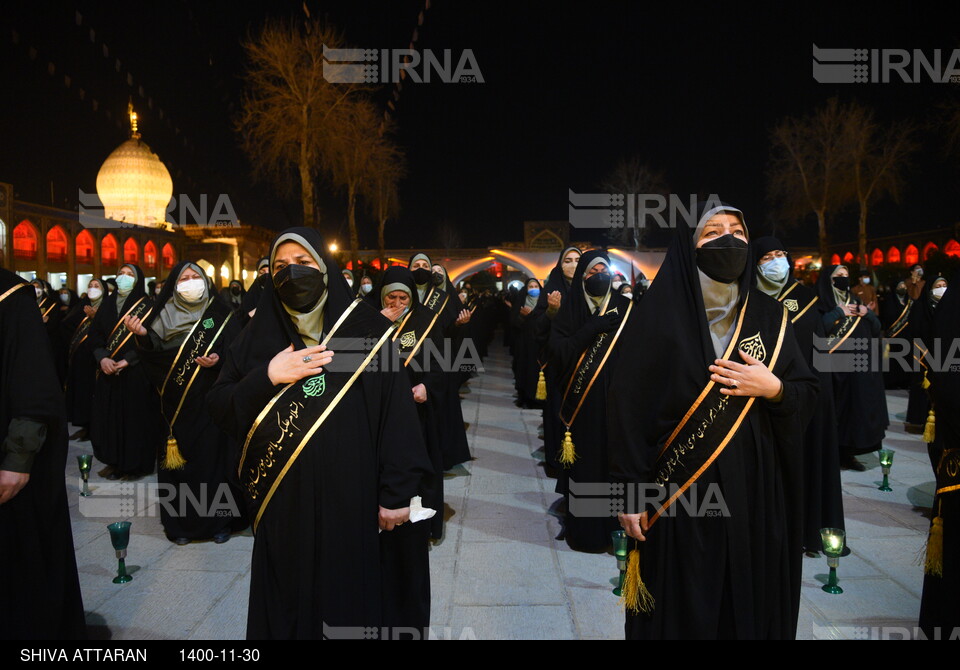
x: 299, y: 286
x: 901, y: 292
x: 421, y: 276
x: 841, y: 283
x: 723, y: 259
x: 597, y: 285
x: 437, y: 278
x: 235, y: 290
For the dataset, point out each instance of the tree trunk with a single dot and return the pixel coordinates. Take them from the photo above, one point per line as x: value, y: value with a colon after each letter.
x: 381, y: 242
x: 352, y: 220
x: 822, y: 232
x: 306, y: 182
x: 862, y: 237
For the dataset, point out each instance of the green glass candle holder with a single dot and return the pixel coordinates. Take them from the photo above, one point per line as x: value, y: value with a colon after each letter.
x: 619, y: 539
x: 833, y: 541
x: 85, y: 462
x: 120, y: 538
x: 886, y: 462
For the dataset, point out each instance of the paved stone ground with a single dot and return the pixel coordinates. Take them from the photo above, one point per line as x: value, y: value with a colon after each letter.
x: 499, y: 573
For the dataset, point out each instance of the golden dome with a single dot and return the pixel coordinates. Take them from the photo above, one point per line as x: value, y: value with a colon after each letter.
x: 133, y: 184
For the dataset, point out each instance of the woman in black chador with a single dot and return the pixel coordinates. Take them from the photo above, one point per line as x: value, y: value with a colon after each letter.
x: 823, y: 497
x: 82, y: 369
x: 940, y: 603
x: 524, y: 319
x: 332, y: 450
x: 922, y: 317
x: 126, y: 426
x: 861, y: 402
x: 40, y: 595
x: 712, y: 400
x: 586, y: 343
x: 181, y: 344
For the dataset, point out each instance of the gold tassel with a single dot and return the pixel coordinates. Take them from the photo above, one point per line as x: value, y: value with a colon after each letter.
x: 930, y: 430
x: 174, y: 459
x: 926, y: 382
x: 541, y: 387
x: 886, y: 351
x: 567, y: 454
x: 934, y: 562
x: 636, y: 597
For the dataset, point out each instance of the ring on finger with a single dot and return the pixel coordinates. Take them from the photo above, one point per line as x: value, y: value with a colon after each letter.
x: 307, y: 358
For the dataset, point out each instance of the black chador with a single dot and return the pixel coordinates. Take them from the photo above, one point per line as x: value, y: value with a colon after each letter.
x: 199, y: 460
x: 586, y: 343
x: 40, y: 597
x: 322, y: 456
x: 82, y: 368
x: 720, y: 474
x: 126, y: 426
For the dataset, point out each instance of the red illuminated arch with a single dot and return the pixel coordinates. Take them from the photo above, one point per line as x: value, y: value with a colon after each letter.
x: 169, y: 256
x: 835, y: 259
x: 952, y: 248
x: 57, y: 245
x: 25, y: 241
x: 877, y: 257
x: 893, y: 255
x: 150, y: 255
x: 108, y: 250
x: 131, y: 251
x: 911, y: 256
x: 929, y: 249
x: 848, y: 258
x: 85, y: 246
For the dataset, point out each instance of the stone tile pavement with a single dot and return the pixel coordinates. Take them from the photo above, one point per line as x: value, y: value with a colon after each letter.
x: 499, y: 572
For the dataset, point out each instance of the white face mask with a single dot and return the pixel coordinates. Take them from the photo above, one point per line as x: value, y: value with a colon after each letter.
x: 94, y: 293
x: 866, y: 280
x: 349, y: 282
x: 191, y: 290
x: 628, y: 296
x: 65, y: 298
x: 938, y: 292
x: 38, y: 290
x: 617, y: 284
x: 366, y: 288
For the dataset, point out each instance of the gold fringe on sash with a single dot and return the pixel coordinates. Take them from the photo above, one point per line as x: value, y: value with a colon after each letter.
x: 541, y: 387
x: 930, y: 430
x: 933, y: 565
x: 173, y: 459
x: 636, y: 597
x: 567, y: 453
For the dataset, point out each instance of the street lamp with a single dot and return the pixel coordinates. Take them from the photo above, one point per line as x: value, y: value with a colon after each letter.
x: 333, y: 247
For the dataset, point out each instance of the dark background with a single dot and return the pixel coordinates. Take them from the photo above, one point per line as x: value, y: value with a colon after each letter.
x: 569, y: 90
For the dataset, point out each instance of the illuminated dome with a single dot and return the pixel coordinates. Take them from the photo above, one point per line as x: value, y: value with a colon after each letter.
x: 133, y: 184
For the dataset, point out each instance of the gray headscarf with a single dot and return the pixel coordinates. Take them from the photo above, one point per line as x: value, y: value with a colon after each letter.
x: 308, y: 324
x: 421, y: 288
x: 179, y: 316
x: 595, y: 301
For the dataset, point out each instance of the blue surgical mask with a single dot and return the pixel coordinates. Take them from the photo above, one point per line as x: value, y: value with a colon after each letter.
x: 775, y: 270
x: 533, y: 292
x: 125, y: 283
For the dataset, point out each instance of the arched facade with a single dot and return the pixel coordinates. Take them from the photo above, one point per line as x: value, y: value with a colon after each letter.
x: 929, y: 249
x: 150, y: 255
x: 877, y: 257
x: 893, y: 255
x: 952, y: 248
x: 26, y: 241
x: 131, y: 251
x: 109, y: 253
x: 911, y: 255
x: 169, y: 256
x: 86, y: 248
x: 57, y: 246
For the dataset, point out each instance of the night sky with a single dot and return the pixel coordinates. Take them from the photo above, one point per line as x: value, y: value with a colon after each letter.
x: 569, y: 90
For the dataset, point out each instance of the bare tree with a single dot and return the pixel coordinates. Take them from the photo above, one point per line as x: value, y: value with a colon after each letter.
x: 381, y: 192
x: 811, y: 158
x: 287, y: 108
x: 632, y: 176
x: 878, y: 155
x: 349, y: 158
x: 448, y: 236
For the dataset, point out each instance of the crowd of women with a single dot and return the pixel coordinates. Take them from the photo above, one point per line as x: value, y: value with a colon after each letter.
x: 327, y: 407
x: 701, y: 384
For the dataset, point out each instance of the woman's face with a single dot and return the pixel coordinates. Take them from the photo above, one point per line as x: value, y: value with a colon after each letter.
x: 420, y: 263
x: 533, y: 283
x: 940, y: 283
x: 772, y: 255
x: 596, y: 269
x: 187, y: 275
x: 841, y: 271
x: 396, y: 299
x: 719, y: 225
x: 366, y: 281
x: 570, y: 261
x: 292, y: 253
x: 127, y: 270
x: 94, y: 283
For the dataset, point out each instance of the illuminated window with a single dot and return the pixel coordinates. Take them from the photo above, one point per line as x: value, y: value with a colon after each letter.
x: 835, y: 259
x: 25, y: 241
x: 952, y: 249
x: 929, y: 250
x: 85, y: 247
x: 108, y: 250
x: 848, y: 258
x: 877, y: 258
x: 893, y: 255
x: 57, y: 245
